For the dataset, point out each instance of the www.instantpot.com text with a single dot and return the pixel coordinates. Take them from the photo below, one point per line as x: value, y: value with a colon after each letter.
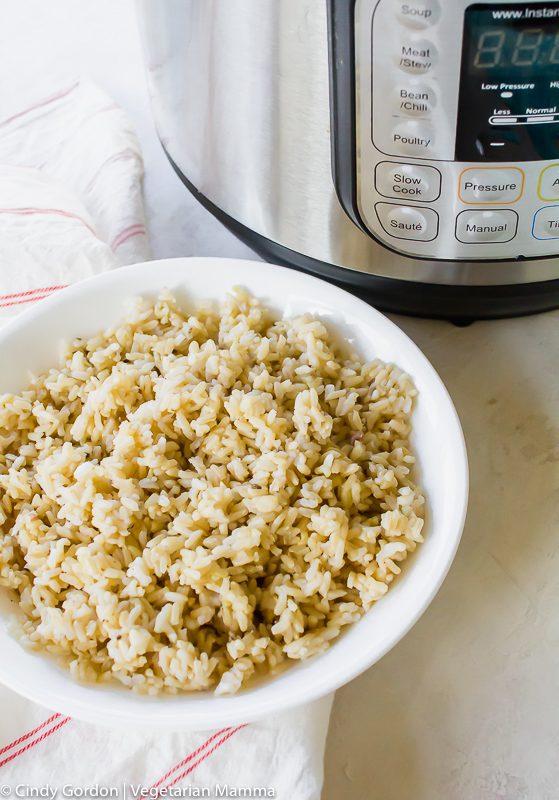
x: 527, y: 13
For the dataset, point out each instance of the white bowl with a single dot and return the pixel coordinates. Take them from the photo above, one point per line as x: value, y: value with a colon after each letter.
x: 32, y: 342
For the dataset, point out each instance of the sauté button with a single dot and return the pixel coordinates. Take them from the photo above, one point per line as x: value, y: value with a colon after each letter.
x: 408, y: 222
x: 483, y: 227
x: 407, y: 181
x: 416, y: 55
x: 546, y: 223
x: 414, y: 138
x: 549, y: 183
x: 414, y: 100
x: 484, y: 185
x: 418, y: 13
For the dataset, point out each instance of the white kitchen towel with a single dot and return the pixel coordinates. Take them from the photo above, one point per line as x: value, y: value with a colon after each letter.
x: 70, y: 194
x: 71, y: 207
x: 282, y: 756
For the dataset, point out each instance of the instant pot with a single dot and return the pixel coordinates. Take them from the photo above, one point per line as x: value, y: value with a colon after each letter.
x: 409, y: 151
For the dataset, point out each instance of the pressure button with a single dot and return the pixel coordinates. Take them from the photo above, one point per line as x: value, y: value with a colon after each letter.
x: 486, y: 185
x: 407, y: 181
x: 408, y: 222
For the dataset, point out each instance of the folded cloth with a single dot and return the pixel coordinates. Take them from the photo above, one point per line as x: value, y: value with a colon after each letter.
x: 77, y: 209
x: 282, y: 755
x: 71, y: 207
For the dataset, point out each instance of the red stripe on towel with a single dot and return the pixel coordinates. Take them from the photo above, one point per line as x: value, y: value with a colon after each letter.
x: 25, y: 300
x: 27, y: 211
x: 208, y: 753
x: 127, y: 153
x: 38, y: 295
x: 32, y: 291
x: 28, y: 735
x: 127, y: 233
x: 41, y: 103
x: 189, y: 758
x: 32, y: 744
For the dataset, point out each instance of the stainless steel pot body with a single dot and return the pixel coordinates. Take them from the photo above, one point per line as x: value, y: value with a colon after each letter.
x: 241, y: 97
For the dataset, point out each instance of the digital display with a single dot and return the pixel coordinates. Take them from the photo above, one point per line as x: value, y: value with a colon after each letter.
x: 509, y: 88
x: 506, y: 47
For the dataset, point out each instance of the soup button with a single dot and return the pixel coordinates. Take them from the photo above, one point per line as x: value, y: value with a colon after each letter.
x: 407, y: 181
x: 408, y: 222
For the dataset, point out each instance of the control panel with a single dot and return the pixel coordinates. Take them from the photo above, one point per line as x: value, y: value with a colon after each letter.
x: 457, y: 126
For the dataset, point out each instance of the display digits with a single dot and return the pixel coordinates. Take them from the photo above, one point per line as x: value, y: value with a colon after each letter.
x: 554, y: 55
x: 489, y: 49
x: 527, y: 49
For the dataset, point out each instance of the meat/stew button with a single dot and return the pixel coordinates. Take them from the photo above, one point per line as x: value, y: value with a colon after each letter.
x: 484, y: 185
x: 408, y: 222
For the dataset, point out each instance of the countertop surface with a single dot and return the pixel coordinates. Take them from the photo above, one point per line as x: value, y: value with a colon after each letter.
x: 466, y: 706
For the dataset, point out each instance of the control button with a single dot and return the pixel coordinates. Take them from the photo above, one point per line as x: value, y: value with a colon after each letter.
x: 407, y: 181
x: 416, y: 56
x: 414, y: 100
x: 483, y: 227
x: 546, y: 223
x: 418, y: 14
x: 414, y: 138
x: 408, y: 222
x: 485, y: 185
x: 548, y: 188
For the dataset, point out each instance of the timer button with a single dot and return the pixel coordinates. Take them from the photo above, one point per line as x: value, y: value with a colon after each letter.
x: 548, y: 188
x: 418, y: 14
x: 407, y: 181
x: 414, y: 139
x: 416, y: 55
x: 414, y: 100
x: 486, y: 185
x: 546, y: 223
x: 484, y: 227
x: 408, y: 222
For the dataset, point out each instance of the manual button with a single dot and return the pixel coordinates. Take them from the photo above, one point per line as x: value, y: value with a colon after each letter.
x: 486, y: 185
x: 407, y: 181
x: 484, y: 227
x: 408, y: 222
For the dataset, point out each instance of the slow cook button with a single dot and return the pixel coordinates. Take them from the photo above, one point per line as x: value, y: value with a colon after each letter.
x: 486, y: 185
x: 414, y: 139
x: 408, y: 222
x: 418, y: 13
x: 483, y: 227
x: 549, y: 183
x: 407, y: 181
x: 546, y: 223
x: 415, y: 55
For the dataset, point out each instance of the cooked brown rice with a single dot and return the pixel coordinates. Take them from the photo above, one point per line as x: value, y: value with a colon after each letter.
x: 192, y: 500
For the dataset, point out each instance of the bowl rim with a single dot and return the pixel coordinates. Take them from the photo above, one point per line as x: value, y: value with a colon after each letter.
x: 163, y: 712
